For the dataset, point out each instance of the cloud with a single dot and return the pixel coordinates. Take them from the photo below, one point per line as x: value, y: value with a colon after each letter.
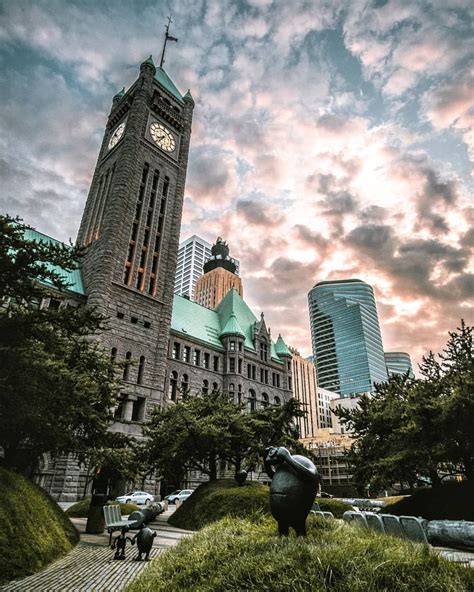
x: 315, y: 149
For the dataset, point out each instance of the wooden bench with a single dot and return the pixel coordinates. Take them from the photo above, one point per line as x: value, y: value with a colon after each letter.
x: 114, y: 520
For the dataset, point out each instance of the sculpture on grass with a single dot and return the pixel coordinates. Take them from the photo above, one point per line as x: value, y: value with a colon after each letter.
x: 295, y: 482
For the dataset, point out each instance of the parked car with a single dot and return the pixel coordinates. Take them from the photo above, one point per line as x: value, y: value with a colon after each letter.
x: 136, y: 497
x: 180, y: 494
x: 172, y: 496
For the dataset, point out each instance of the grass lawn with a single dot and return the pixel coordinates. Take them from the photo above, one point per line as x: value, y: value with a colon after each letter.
x: 34, y: 530
x: 245, y: 554
x: 217, y: 499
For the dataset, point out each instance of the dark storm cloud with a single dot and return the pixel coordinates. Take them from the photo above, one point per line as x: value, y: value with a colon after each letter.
x: 257, y: 213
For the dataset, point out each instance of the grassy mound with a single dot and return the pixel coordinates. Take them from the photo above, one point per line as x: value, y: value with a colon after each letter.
x: 81, y: 508
x: 452, y: 501
x: 34, y: 529
x: 241, y: 554
x: 333, y: 505
x: 216, y: 499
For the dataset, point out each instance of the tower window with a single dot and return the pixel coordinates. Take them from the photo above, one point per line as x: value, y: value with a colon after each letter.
x: 141, y: 370
x: 173, y: 385
x: 126, y: 368
x: 207, y: 359
x: 231, y: 364
x: 216, y: 364
x: 138, y: 409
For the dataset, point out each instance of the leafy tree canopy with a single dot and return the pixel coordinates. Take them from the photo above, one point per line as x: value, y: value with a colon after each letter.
x: 202, y: 430
x: 56, y: 385
x: 417, y: 428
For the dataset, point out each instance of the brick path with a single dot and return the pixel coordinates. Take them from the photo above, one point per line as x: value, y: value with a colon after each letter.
x: 90, y: 566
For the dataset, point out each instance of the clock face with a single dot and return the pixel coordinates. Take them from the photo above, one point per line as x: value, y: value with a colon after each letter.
x: 162, y: 137
x: 118, y: 133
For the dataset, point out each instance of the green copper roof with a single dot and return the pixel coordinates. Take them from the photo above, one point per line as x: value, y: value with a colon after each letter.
x: 166, y: 81
x: 231, y: 317
x: 149, y: 60
x: 232, y: 303
x: 232, y: 327
x: 73, y: 278
x: 196, y: 321
x: 281, y: 348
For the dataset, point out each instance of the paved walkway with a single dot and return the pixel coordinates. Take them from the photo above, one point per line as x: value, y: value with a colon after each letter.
x: 90, y: 566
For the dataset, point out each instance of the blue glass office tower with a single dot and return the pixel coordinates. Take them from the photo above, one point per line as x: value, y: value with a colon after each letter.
x: 345, y: 331
x: 398, y: 363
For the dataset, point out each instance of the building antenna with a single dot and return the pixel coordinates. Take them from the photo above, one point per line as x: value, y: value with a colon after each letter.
x: 168, y: 37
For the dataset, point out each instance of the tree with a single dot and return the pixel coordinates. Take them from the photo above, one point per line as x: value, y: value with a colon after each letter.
x: 412, y: 428
x: 202, y: 430
x: 57, y: 388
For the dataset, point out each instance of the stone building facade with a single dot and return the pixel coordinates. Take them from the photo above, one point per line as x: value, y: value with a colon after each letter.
x: 227, y: 349
x: 130, y: 234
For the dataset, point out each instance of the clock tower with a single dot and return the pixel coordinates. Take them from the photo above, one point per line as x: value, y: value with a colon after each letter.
x: 130, y: 233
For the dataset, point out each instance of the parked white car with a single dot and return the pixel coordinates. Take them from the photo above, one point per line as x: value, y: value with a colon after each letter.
x: 136, y: 497
x: 181, y: 494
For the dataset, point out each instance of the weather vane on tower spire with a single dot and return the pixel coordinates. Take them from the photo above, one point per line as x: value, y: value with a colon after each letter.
x: 168, y: 37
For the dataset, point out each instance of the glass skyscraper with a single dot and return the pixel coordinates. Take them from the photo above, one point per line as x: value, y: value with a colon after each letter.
x: 345, y: 331
x: 398, y: 363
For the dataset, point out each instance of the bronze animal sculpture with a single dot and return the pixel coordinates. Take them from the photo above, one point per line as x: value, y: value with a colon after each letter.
x: 295, y: 482
x: 120, y: 542
x: 144, y: 539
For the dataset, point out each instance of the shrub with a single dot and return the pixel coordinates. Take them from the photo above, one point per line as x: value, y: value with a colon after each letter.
x: 81, y: 508
x: 245, y: 554
x: 333, y: 505
x: 214, y: 500
x: 34, y: 529
x: 451, y: 501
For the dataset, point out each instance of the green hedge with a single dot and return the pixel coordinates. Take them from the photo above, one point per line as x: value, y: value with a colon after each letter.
x: 246, y: 554
x: 34, y: 530
x: 452, y: 501
x: 81, y: 508
x: 218, y: 499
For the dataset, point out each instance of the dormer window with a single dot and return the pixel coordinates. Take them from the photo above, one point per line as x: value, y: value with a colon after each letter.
x: 263, y: 350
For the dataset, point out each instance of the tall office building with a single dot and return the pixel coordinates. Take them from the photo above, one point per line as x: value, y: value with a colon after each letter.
x: 347, y: 344
x: 192, y: 254
x: 219, y: 277
x: 398, y: 363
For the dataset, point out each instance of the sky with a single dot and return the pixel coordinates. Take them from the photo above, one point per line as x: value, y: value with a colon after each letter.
x: 331, y: 140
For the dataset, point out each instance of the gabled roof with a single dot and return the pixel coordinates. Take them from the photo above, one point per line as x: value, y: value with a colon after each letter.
x: 231, y: 317
x: 196, y: 321
x: 232, y: 303
x: 166, y: 81
x: 232, y: 327
x: 72, y: 278
x: 281, y: 348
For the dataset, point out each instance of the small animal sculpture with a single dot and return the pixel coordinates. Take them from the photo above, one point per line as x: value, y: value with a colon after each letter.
x: 120, y: 542
x: 295, y: 482
x: 144, y: 538
x: 240, y: 477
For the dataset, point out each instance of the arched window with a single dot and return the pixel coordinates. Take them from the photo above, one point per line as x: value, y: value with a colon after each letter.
x: 184, y: 384
x: 205, y: 387
x: 126, y: 368
x: 231, y: 388
x: 113, y: 354
x: 264, y: 400
x: 215, y: 387
x: 141, y: 369
x: 173, y: 385
x: 277, y: 401
x: 252, y: 400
